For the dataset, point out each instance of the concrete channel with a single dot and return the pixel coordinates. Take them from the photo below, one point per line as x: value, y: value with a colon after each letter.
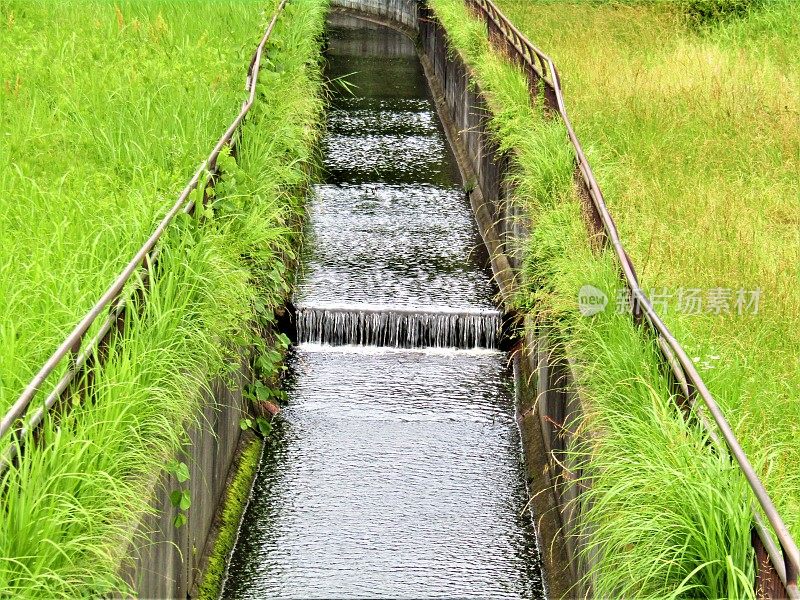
x: 395, y: 471
x: 478, y: 508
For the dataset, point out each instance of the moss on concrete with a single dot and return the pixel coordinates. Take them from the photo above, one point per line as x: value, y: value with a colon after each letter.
x: 234, y: 504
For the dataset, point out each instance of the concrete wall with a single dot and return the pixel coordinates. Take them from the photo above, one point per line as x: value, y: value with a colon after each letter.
x: 546, y: 402
x: 356, y: 45
x: 168, y: 558
x: 401, y: 12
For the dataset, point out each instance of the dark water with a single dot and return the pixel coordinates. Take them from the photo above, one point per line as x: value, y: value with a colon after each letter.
x: 394, y: 472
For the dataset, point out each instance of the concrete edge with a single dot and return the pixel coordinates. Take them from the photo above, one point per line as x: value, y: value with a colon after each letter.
x: 561, y: 579
x: 163, y: 560
x: 232, y: 507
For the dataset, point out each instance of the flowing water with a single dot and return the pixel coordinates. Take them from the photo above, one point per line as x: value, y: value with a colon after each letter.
x: 395, y: 471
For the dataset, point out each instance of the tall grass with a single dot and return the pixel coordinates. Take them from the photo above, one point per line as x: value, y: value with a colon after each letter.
x: 695, y: 137
x: 666, y: 514
x: 106, y: 109
x: 67, y: 511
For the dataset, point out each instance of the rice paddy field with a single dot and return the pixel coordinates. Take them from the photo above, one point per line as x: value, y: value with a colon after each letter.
x: 691, y: 119
x: 106, y: 110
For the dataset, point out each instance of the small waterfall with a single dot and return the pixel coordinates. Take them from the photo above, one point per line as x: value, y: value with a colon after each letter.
x: 398, y: 327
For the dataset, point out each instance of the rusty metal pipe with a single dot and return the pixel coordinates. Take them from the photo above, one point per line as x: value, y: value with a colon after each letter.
x: 791, y: 555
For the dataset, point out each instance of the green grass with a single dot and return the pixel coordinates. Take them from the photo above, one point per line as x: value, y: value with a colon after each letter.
x: 68, y: 510
x: 667, y: 515
x: 106, y: 109
x: 665, y: 510
x: 694, y: 134
x: 234, y: 504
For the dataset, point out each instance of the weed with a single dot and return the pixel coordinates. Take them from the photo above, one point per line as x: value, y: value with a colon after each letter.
x: 68, y: 509
x: 666, y: 515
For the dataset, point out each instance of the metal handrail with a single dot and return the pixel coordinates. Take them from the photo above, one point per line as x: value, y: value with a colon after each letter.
x: 544, y: 66
x: 71, y: 346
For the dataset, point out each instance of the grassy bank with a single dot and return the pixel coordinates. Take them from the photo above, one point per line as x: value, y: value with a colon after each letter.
x: 666, y: 513
x: 66, y: 512
x: 694, y: 132
x: 105, y: 111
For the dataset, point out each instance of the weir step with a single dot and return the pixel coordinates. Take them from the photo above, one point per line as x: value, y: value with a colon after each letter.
x: 400, y: 327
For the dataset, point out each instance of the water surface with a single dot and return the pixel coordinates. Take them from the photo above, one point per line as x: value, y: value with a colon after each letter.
x: 394, y: 473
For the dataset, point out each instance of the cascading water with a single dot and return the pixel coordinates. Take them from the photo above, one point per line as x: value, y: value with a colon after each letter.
x: 398, y: 327
x: 395, y: 470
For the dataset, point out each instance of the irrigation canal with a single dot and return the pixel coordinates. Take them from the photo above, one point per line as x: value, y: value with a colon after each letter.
x: 396, y: 470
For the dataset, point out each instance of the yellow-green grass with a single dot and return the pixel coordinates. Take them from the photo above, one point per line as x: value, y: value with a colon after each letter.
x: 694, y: 135
x: 67, y: 511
